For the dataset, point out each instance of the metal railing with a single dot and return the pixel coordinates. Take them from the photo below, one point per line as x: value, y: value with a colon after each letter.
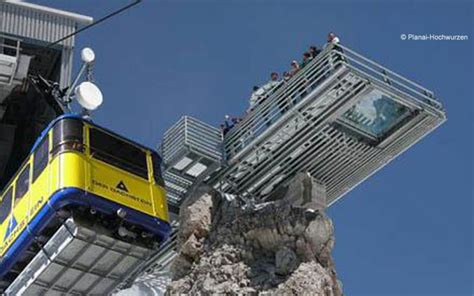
x: 376, y: 72
x: 291, y: 92
x: 279, y: 153
x: 11, y: 54
x: 191, y: 134
x: 7, y: 49
x: 288, y: 95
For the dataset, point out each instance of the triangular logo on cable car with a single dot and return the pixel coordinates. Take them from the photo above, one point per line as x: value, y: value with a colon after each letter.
x: 11, y: 226
x: 121, y: 186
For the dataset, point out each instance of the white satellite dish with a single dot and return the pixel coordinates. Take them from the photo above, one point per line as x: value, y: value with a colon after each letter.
x: 88, y: 95
x: 87, y: 55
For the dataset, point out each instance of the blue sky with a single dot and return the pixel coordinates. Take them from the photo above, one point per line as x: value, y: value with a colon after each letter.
x: 408, y: 230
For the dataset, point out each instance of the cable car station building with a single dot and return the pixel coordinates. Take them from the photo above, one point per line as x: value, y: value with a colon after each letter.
x: 30, y: 68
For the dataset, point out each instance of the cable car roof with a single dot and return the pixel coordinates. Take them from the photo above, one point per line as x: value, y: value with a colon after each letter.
x: 90, y: 122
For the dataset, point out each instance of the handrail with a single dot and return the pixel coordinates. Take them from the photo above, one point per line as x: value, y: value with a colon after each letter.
x: 15, y: 47
x: 346, y: 49
x: 9, y: 37
x: 281, y: 101
x: 389, y: 75
x: 266, y: 124
x: 290, y: 83
x: 16, y: 54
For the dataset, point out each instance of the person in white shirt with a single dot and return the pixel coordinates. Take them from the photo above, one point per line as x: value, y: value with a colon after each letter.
x: 259, y: 94
x: 332, y: 38
x: 271, y: 85
x: 295, y: 68
x: 255, y: 97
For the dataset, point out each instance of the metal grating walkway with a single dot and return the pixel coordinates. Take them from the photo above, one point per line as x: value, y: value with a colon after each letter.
x: 80, y: 261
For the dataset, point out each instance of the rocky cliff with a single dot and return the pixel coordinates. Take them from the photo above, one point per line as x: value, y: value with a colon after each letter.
x: 281, y: 247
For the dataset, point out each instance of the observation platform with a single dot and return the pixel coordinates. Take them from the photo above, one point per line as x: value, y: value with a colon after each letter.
x: 341, y: 118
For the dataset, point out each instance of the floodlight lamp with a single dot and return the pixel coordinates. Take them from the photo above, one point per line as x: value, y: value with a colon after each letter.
x: 87, y: 55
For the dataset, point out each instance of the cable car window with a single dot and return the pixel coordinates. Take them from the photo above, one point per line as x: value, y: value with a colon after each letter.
x: 6, y: 205
x: 22, y: 184
x: 118, y: 153
x: 68, y: 135
x: 40, y: 158
x: 157, y: 170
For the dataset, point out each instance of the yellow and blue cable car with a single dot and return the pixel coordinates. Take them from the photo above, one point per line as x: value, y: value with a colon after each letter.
x: 77, y: 168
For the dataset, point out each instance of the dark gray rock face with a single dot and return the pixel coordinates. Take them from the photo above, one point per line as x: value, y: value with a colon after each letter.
x: 282, y: 247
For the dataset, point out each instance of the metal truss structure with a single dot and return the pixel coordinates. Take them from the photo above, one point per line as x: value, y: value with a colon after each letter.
x: 341, y: 118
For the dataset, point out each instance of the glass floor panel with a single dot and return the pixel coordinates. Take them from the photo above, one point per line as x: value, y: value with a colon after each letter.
x: 376, y: 114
